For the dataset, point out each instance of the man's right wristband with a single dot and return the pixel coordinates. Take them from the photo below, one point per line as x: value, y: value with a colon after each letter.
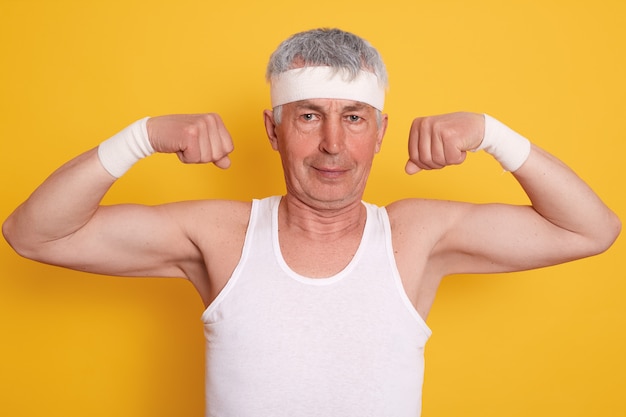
x: 120, y: 152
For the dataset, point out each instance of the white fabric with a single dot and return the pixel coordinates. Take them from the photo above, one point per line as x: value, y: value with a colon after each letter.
x: 508, y: 147
x: 283, y: 345
x: 121, y: 151
x: 326, y: 82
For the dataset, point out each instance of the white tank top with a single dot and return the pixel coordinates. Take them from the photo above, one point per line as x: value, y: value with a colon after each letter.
x: 281, y: 344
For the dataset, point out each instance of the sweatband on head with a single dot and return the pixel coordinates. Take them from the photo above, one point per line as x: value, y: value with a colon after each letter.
x: 121, y: 151
x: 508, y: 147
x: 326, y: 82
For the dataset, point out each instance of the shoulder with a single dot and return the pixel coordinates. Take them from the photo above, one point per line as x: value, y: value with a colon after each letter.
x: 424, y: 219
x: 209, y: 210
x: 204, y: 221
x: 415, y: 211
x: 215, y: 215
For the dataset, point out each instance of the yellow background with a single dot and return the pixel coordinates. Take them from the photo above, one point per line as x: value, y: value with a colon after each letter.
x: 544, y: 343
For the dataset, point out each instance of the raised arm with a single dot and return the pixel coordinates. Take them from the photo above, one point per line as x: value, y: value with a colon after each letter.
x: 566, y: 219
x: 63, y: 223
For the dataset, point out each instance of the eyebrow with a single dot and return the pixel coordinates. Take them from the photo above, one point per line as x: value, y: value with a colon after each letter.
x: 307, y: 104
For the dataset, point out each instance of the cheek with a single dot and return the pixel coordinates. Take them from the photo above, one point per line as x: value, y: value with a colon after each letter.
x: 292, y: 154
x: 364, y: 148
x: 296, y: 145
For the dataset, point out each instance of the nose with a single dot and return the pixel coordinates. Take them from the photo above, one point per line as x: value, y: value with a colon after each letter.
x: 333, y: 137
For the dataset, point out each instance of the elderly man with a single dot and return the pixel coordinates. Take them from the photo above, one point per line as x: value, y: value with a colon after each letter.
x: 316, y: 301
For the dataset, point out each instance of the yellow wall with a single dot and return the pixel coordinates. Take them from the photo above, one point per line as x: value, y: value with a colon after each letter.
x: 543, y: 343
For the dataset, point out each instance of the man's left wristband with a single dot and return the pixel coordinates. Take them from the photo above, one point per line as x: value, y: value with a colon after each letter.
x: 121, y: 151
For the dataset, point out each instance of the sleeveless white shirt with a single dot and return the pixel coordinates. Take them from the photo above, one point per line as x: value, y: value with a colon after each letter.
x: 281, y: 344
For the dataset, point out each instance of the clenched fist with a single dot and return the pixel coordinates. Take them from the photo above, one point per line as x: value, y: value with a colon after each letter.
x: 195, y: 138
x: 439, y: 141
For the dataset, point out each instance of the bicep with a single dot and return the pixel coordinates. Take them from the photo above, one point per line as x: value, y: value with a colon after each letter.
x: 128, y: 240
x: 492, y: 238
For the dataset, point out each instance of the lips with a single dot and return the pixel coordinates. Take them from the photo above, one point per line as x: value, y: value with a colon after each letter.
x: 330, y: 172
x: 329, y: 167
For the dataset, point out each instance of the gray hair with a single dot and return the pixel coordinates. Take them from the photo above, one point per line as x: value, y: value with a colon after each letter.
x: 334, y: 48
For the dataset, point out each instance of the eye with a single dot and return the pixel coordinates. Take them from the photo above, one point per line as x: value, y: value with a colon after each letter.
x: 308, y: 117
x: 354, y: 118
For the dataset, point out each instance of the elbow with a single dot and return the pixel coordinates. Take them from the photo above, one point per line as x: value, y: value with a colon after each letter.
x: 606, y: 235
x: 7, y: 232
x: 616, y: 229
x: 17, y: 240
x: 11, y: 237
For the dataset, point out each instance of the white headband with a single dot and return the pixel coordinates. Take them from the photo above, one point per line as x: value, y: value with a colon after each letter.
x: 326, y: 82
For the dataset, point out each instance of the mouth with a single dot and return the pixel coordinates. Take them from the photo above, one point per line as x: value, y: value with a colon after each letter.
x: 330, y: 172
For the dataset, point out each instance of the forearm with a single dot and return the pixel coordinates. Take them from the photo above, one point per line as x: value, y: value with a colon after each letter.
x: 60, y: 206
x: 557, y: 194
x: 565, y: 200
x: 69, y: 198
x: 566, y: 220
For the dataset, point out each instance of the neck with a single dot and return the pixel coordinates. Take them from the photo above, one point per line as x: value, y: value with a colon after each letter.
x: 321, y: 223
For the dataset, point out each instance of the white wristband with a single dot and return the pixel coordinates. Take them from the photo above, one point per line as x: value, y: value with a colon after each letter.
x: 120, y: 152
x: 508, y: 147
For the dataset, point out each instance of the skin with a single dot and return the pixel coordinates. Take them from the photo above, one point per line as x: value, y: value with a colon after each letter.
x: 326, y: 147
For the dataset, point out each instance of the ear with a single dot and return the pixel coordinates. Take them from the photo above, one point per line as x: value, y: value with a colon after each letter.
x: 381, y: 131
x: 270, y: 128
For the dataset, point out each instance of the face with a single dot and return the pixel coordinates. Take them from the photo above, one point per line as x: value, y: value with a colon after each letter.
x: 327, y: 147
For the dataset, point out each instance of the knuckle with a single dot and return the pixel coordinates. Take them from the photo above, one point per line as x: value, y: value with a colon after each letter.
x: 212, y: 119
x: 191, y: 131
